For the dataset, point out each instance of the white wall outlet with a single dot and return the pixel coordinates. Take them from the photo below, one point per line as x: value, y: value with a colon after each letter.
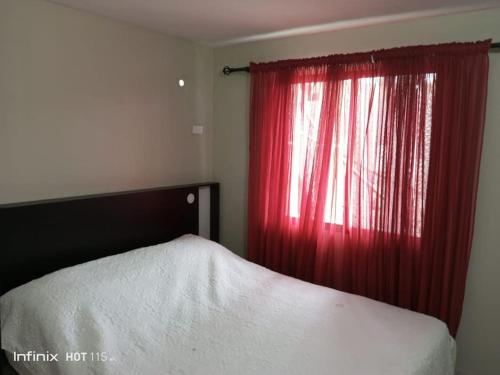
x: 197, y: 129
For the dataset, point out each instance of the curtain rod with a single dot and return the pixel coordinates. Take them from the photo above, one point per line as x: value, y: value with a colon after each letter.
x: 227, y: 70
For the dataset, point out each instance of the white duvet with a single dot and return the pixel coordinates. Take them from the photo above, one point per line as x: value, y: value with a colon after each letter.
x: 190, y: 306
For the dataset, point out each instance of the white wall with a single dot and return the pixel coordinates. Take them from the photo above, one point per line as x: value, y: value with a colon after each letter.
x: 90, y: 105
x: 478, y: 348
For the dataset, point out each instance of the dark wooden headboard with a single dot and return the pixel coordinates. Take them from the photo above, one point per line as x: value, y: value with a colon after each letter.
x: 40, y: 237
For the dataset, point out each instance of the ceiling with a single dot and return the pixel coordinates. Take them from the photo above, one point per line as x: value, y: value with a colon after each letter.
x: 218, y: 22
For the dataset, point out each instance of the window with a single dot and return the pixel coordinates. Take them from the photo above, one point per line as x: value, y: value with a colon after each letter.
x: 357, y: 183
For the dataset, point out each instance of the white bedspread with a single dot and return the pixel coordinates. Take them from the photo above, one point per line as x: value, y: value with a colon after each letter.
x: 190, y: 306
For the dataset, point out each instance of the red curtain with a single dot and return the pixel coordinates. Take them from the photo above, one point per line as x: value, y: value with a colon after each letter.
x: 364, y: 169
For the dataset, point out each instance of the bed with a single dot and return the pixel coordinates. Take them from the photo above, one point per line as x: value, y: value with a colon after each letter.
x: 191, y: 306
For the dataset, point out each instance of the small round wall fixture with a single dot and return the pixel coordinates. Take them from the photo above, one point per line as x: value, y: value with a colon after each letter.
x: 181, y: 83
x: 190, y: 198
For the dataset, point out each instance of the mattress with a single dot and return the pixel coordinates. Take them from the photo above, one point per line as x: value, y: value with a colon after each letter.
x: 190, y: 306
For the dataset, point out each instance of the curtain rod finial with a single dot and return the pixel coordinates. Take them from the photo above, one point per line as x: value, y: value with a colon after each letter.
x: 227, y: 70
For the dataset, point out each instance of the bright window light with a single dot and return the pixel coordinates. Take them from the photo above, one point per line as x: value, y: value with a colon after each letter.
x: 364, y: 167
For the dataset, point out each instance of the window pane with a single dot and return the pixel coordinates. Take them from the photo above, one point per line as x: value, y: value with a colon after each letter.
x: 307, y: 105
x: 362, y: 170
